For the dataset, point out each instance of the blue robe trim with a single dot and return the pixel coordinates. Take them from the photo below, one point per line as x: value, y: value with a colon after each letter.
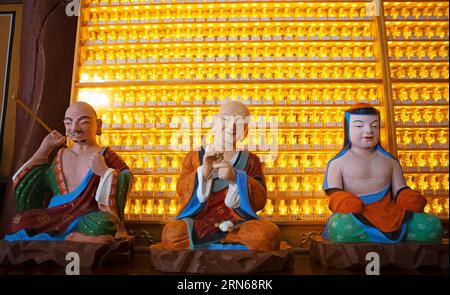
x: 22, y: 235
x: 372, y: 198
x: 245, y: 209
x: 69, y: 197
x: 377, y: 236
x: 193, y: 206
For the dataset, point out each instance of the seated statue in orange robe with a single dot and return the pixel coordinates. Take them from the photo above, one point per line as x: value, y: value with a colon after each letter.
x: 220, y: 190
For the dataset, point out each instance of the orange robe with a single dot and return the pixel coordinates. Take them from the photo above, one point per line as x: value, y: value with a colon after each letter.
x: 195, y: 226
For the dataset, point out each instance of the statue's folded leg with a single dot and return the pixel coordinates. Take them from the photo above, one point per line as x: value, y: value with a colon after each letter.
x: 175, y: 235
x: 256, y: 235
x: 424, y: 227
x: 342, y: 228
x: 96, y: 227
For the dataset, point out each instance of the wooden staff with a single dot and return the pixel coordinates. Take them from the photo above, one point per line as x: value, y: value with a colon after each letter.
x: 31, y: 113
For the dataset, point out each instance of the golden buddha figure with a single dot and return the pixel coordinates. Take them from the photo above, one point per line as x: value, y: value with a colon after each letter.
x: 255, y: 73
x: 417, y: 118
x: 349, y: 96
x: 444, y: 72
x: 347, y: 73
x: 400, y: 73
x: 429, y: 138
x: 332, y: 14
x: 445, y: 95
x: 427, y: 115
x: 417, y: 32
x: 311, y: 33
x: 357, y: 53
x: 404, y: 12
x: 337, y: 96
x: 343, y: 13
x: 406, y: 138
x: 418, y: 138
x: 301, y: 53
x: 411, y: 72
x: 161, y: 207
x: 356, y: 34
x: 443, y: 52
x: 361, y: 94
x: 431, y: 52
x: 346, y: 53
x: 354, y: 14
x: 302, y: 73
x: 407, y: 32
x: 429, y: 32
x: 310, y: 13
x: 221, y: 97
x: 322, y: 33
x: 232, y: 55
x: 404, y: 116
x: 438, y: 12
x: 313, y: 73
x: 434, y: 74
x: 288, y: 35
x: 312, y: 53
x: 372, y: 95
x: 277, y: 35
x: 299, y: 13
x: 324, y: 73
x: 292, y: 119
x: 434, y: 183
x: 321, y: 14
x: 336, y: 73
x: 409, y: 53
x: 423, y: 72
x: 443, y: 160
x: 267, y: 73
x: 334, y: 33
x: 334, y: 53
x: 266, y: 53
x: 255, y: 33
x: 442, y: 137
x: 369, y: 73
x: 439, y: 116
x: 398, y: 52
x: 416, y: 13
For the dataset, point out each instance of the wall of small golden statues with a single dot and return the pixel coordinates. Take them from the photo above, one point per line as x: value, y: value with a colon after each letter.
x: 158, y: 68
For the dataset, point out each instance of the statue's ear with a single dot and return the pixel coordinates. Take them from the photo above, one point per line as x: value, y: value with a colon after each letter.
x: 99, y: 127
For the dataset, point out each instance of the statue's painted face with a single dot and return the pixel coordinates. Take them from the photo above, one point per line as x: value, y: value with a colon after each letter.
x: 364, y: 131
x: 81, y: 123
x: 228, y: 130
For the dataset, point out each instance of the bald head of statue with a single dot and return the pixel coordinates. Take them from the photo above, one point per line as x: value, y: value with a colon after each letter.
x: 82, y: 124
x: 230, y: 125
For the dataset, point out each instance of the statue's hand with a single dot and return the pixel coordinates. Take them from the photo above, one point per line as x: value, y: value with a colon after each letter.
x: 411, y: 200
x: 52, y: 141
x: 209, y: 159
x: 345, y: 202
x: 97, y: 164
x: 226, y: 171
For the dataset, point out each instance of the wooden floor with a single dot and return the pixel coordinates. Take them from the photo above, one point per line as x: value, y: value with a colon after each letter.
x: 141, y: 265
